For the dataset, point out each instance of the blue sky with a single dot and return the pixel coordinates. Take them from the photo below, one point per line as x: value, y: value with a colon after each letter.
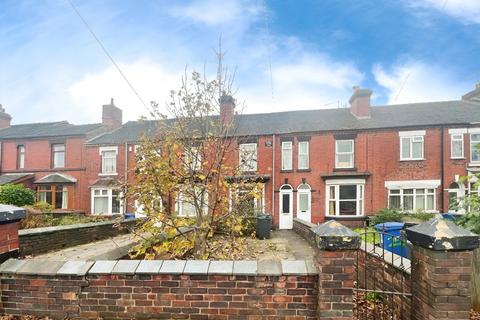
x: 404, y: 50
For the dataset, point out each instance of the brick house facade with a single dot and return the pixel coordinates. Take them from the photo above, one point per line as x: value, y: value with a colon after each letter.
x: 318, y: 164
x: 338, y: 163
x: 51, y: 159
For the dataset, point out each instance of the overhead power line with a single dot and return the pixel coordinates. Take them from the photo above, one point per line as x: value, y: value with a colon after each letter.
x: 104, y: 49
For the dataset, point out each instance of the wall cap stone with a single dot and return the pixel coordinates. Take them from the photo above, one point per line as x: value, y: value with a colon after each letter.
x: 10, y: 213
x: 440, y: 234
x: 332, y: 236
x: 173, y: 267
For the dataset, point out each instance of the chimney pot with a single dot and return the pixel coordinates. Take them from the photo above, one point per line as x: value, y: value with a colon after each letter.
x: 5, y: 118
x: 111, y: 115
x: 360, y: 103
x: 227, y: 108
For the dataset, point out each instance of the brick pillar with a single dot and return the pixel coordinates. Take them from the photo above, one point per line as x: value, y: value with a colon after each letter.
x: 335, y: 257
x: 441, y: 270
x: 9, y: 223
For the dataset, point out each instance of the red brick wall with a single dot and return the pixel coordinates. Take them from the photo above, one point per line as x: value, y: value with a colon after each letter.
x: 161, y: 296
x: 8, y: 237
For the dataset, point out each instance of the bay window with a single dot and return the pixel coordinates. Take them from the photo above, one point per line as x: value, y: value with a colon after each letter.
x: 248, y: 157
x: 414, y: 199
x: 303, y: 155
x: 287, y: 155
x: 344, y: 153
x: 345, y: 198
x: 55, y: 195
x: 106, y: 201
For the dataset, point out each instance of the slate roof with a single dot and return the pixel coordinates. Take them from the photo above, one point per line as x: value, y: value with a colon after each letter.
x: 458, y: 112
x: 46, y: 129
x: 56, y: 178
x: 14, y: 177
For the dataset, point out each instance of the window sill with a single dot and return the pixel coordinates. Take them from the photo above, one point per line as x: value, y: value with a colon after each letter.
x: 304, y: 170
x: 474, y: 164
x: 108, y: 174
x: 286, y: 171
x: 362, y: 217
x: 345, y: 169
x: 406, y: 160
x: 462, y: 158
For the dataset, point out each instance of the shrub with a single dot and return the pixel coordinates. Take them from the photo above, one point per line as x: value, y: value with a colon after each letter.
x: 43, y: 207
x: 16, y: 195
x: 421, y: 215
x: 386, y: 215
x: 470, y: 221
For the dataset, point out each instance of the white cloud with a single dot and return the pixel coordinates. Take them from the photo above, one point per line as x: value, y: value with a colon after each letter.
x: 418, y: 82
x: 467, y: 11
x: 311, y: 81
x: 151, y: 80
x: 218, y: 12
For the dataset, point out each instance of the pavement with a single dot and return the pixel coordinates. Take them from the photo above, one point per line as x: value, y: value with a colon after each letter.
x: 286, y: 245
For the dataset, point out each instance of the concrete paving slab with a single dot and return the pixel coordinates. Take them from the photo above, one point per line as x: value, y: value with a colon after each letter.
x: 269, y: 268
x: 172, y: 266
x: 41, y: 267
x: 221, y: 267
x: 103, y: 267
x: 196, y: 267
x: 11, y: 265
x: 75, y: 268
x: 126, y: 267
x: 245, y: 268
x: 149, y: 266
x: 297, y: 267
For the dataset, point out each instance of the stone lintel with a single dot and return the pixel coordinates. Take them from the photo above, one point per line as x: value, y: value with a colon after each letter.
x: 442, y: 235
x: 332, y: 236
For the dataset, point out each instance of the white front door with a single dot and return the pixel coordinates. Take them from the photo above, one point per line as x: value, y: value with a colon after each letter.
x: 304, y: 202
x: 286, y: 207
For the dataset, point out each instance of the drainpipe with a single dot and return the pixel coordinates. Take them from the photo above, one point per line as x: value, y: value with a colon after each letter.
x: 273, y: 176
x: 442, y: 170
x: 126, y: 178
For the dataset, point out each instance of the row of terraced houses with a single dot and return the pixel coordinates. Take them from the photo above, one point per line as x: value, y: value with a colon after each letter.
x: 343, y: 163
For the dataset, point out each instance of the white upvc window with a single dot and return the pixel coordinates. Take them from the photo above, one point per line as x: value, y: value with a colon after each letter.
x: 109, y: 160
x: 248, y: 157
x: 303, y: 155
x: 345, y: 198
x: 21, y: 157
x: 411, y: 200
x: 475, y: 147
x: 412, y: 145
x: 344, y: 153
x: 186, y: 204
x: 287, y: 155
x: 58, y: 155
x: 193, y: 159
x: 106, y: 201
x: 456, y: 146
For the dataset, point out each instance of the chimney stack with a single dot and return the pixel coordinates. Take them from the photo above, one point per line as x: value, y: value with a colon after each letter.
x: 473, y: 95
x: 227, y: 107
x: 5, y: 118
x: 111, y: 116
x: 360, y: 103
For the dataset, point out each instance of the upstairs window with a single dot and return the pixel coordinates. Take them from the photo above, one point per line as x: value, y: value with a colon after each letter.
x: 412, y: 145
x: 344, y: 153
x: 303, y: 155
x: 287, y: 155
x: 20, y: 157
x: 248, y: 157
x: 193, y: 159
x: 109, y: 160
x: 58, y: 155
x: 475, y: 147
x: 457, y: 146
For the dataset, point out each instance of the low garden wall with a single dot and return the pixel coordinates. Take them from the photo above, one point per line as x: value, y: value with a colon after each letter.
x: 133, y: 289
x: 41, y: 240
x: 303, y: 228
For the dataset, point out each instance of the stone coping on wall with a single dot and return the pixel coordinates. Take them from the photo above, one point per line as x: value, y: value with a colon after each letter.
x: 399, y: 262
x: 132, y: 267
x: 27, y: 232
